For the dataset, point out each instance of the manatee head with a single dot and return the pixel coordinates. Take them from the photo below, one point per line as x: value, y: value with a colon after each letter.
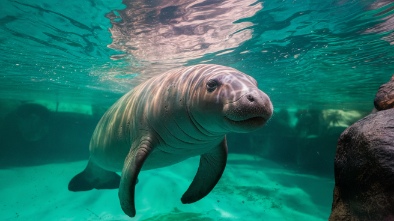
x: 226, y: 100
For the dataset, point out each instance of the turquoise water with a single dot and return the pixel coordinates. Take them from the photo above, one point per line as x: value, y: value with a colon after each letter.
x: 321, y: 63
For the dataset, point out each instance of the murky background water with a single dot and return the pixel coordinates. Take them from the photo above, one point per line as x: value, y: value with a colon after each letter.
x: 65, y: 62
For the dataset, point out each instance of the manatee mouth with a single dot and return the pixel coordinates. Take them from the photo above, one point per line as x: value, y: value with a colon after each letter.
x: 250, y: 122
x: 251, y: 111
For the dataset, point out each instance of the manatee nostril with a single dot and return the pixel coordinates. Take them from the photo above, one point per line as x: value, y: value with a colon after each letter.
x: 250, y: 98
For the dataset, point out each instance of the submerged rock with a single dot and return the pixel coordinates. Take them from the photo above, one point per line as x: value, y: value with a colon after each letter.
x: 364, y: 170
x: 385, y: 97
x: 364, y: 165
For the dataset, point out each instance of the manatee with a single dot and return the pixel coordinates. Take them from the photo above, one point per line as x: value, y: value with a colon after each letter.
x: 171, y: 117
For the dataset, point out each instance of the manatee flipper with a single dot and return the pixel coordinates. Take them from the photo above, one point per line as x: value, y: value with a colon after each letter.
x: 132, y: 167
x: 94, y: 177
x: 210, y: 170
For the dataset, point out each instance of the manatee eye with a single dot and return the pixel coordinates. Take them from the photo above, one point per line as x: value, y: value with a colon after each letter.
x: 212, y: 85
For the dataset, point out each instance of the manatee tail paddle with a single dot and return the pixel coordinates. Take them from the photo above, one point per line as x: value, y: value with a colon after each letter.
x: 94, y: 177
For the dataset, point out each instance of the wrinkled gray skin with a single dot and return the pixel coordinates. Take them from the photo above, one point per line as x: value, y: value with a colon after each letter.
x: 171, y: 117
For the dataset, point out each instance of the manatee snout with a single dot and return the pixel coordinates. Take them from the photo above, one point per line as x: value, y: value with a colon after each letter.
x: 250, y: 111
x: 253, y: 104
x: 257, y: 103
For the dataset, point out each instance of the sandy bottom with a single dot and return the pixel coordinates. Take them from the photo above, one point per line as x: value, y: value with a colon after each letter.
x: 250, y: 189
